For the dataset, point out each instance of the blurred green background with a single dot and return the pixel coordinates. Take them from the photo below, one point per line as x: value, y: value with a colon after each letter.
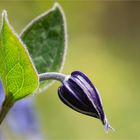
x: 103, y: 42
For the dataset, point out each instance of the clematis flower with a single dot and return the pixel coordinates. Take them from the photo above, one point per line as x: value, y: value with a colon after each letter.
x: 78, y: 92
x: 22, y: 119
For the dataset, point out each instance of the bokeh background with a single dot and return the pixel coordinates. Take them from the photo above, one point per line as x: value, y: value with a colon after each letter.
x: 103, y: 42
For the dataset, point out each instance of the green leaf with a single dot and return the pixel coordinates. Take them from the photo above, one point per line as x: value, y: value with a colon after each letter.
x: 45, y: 38
x: 17, y: 72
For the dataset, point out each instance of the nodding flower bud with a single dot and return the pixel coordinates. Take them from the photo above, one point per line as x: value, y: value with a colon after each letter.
x: 78, y: 92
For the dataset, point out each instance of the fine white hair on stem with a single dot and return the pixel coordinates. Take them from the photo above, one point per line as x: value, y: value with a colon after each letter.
x: 52, y: 75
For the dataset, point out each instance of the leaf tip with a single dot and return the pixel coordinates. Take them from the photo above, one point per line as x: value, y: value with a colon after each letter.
x: 57, y: 6
x: 4, y: 14
x: 4, y: 17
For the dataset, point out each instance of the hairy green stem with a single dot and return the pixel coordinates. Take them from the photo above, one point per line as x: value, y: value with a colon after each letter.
x: 7, y: 104
x: 52, y: 76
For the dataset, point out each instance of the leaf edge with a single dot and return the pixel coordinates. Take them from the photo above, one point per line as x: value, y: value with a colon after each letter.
x: 56, y: 5
x: 5, y: 18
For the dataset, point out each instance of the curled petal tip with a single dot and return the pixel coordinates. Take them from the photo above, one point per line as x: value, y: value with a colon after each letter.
x: 107, y: 126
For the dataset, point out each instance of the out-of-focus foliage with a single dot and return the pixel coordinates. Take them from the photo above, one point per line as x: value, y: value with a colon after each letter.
x: 104, y: 40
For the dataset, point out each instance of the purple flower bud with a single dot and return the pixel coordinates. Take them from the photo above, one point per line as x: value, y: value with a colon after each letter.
x: 80, y: 94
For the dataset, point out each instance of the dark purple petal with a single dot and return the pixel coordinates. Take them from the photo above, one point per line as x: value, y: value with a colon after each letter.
x: 94, y: 95
x: 80, y: 92
x: 74, y: 103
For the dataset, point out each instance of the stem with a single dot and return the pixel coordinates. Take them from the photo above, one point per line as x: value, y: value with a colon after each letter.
x: 52, y: 75
x: 5, y: 109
